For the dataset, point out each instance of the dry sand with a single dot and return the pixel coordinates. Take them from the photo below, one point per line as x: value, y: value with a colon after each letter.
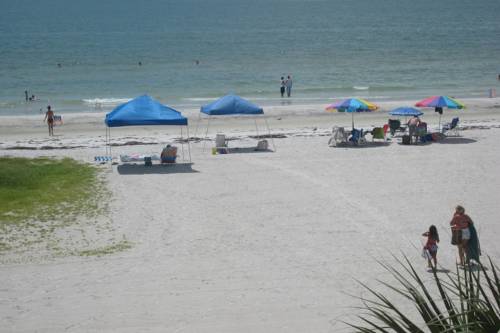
x: 252, y: 242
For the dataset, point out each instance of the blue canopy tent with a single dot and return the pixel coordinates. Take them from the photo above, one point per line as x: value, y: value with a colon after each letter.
x: 144, y: 111
x: 233, y: 105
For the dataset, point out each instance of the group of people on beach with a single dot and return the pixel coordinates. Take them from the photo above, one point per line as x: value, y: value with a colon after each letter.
x: 286, y: 85
x: 464, y: 236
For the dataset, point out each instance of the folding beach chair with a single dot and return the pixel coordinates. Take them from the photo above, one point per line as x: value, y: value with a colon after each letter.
x: 421, y: 132
x: 395, y: 125
x: 339, y: 136
x: 357, y: 137
x: 451, y: 127
x: 380, y: 133
x: 221, y: 144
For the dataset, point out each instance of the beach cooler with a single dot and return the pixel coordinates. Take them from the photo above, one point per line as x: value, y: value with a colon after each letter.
x: 406, y: 140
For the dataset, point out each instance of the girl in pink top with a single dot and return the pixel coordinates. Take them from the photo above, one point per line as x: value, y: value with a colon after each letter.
x: 431, y: 245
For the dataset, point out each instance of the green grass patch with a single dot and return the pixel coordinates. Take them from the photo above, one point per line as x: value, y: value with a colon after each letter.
x: 44, y: 189
x: 52, y: 207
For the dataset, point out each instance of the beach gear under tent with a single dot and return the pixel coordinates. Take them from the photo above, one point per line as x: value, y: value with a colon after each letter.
x: 440, y: 102
x: 144, y: 111
x: 233, y: 105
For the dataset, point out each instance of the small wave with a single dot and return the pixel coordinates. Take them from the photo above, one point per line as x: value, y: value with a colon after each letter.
x: 105, y: 101
x: 201, y: 99
x: 360, y: 87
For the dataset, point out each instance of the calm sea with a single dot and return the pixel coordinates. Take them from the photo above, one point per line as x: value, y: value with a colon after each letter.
x: 83, y: 55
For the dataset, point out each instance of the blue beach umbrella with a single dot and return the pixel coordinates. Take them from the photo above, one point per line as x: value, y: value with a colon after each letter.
x: 406, y: 111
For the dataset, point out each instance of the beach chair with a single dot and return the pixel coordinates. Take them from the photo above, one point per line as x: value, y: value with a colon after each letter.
x: 357, y: 137
x: 380, y: 133
x: 395, y: 125
x: 451, y: 127
x: 421, y: 132
x: 221, y: 144
x: 339, y: 136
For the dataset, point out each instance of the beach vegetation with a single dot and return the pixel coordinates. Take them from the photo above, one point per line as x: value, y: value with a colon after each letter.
x: 44, y: 189
x: 45, y: 203
x: 109, y: 249
x: 467, y: 300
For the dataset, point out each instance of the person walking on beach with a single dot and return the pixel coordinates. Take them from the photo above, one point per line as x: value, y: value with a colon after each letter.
x: 288, y: 85
x: 49, y: 117
x: 431, y: 246
x: 282, y: 87
x: 460, y: 224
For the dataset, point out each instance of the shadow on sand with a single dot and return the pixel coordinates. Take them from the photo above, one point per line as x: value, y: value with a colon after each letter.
x: 247, y: 150
x: 141, y: 169
x: 456, y: 140
x: 368, y: 144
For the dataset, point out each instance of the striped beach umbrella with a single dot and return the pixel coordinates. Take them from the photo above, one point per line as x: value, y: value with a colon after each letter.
x: 440, y: 102
x: 352, y: 105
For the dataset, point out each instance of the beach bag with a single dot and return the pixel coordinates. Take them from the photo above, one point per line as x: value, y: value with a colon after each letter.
x: 406, y: 139
x: 456, y: 237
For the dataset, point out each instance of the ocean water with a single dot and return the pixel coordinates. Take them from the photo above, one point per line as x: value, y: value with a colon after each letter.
x: 377, y: 49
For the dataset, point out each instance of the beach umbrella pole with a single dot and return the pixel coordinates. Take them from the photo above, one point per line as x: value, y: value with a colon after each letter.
x: 189, y: 143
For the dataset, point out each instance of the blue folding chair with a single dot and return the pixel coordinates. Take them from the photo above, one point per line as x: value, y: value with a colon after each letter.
x: 357, y: 137
x: 451, y: 127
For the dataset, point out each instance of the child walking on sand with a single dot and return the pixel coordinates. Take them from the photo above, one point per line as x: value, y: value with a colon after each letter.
x: 431, y: 247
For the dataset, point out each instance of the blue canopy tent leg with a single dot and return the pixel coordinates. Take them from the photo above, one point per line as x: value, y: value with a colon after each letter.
x: 182, y: 145
x: 257, y: 129
x: 197, y: 124
x: 189, y: 143
x: 109, y: 156
x: 269, y: 133
x: 206, y: 134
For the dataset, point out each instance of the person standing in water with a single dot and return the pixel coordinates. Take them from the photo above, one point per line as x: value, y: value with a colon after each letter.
x: 282, y: 86
x: 26, y: 95
x: 288, y: 84
x: 49, y: 117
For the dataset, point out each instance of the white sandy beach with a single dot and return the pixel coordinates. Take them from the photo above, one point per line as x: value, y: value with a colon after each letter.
x: 251, y: 242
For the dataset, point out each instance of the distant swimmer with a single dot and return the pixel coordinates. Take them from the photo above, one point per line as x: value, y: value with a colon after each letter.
x: 32, y: 98
x: 140, y: 63
x: 59, y: 65
x: 26, y: 95
x: 498, y: 77
x: 49, y: 117
x: 197, y: 62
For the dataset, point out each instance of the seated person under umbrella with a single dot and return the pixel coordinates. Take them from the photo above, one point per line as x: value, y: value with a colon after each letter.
x: 169, y: 154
